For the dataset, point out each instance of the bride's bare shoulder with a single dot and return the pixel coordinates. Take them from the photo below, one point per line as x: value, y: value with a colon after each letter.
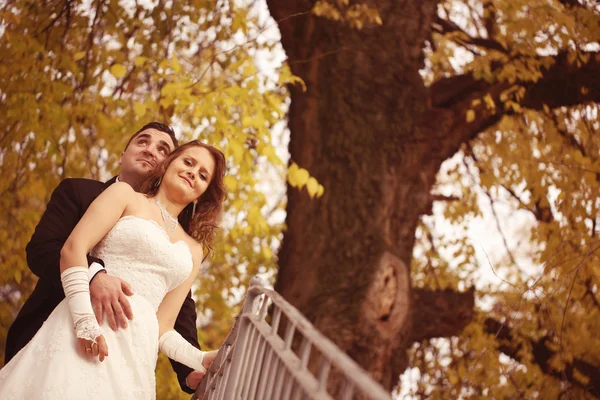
x: 120, y: 189
x: 196, y: 248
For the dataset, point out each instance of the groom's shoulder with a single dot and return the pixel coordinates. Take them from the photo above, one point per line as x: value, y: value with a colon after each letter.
x: 78, y: 187
x: 81, y: 183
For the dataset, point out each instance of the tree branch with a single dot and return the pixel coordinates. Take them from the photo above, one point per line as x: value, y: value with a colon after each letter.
x: 443, y: 26
x: 539, y: 211
x: 562, y: 84
x: 441, y: 313
x: 542, y: 355
x: 90, y: 40
x: 444, y: 313
x: 566, y: 84
x: 54, y: 20
x: 590, y: 292
x: 491, y: 199
x: 568, y: 136
x: 572, y: 3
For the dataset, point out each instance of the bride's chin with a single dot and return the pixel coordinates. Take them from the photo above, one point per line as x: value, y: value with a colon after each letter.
x: 176, y: 190
x: 181, y: 193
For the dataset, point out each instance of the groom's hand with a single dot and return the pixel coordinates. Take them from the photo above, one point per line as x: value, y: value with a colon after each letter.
x: 193, y: 379
x: 109, y: 295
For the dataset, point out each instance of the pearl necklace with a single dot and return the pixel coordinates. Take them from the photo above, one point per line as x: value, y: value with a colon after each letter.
x: 169, y: 220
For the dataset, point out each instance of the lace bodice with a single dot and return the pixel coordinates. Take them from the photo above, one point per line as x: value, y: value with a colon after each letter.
x: 140, y: 252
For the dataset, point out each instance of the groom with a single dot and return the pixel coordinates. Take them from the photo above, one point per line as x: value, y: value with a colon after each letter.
x: 69, y: 201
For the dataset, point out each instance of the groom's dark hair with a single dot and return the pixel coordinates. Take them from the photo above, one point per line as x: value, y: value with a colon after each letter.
x: 159, y: 126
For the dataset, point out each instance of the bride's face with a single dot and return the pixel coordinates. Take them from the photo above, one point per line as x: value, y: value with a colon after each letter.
x: 190, y: 174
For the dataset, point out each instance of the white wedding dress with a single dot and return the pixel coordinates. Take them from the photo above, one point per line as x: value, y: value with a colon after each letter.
x: 50, y: 366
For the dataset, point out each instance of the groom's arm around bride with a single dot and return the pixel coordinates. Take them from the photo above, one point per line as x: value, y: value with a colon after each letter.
x: 68, y: 203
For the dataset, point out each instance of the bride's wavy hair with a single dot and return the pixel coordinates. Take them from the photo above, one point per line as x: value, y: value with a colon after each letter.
x: 204, y: 224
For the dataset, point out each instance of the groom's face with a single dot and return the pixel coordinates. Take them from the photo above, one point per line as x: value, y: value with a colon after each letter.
x: 145, y: 151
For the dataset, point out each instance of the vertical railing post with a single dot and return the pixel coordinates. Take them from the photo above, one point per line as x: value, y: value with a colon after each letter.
x: 240, y: 347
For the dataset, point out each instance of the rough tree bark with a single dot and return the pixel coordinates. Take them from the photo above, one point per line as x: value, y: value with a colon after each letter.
x: 370, y: 131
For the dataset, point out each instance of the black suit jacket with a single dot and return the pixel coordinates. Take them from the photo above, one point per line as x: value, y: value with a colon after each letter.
x: 67, y: 205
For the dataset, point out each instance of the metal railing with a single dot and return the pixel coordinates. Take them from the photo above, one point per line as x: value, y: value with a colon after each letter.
x: 273, y: 352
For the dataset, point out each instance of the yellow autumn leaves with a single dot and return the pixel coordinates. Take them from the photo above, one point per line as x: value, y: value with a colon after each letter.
x: 299, y: 178
x: 356, y: 16
x: 118, y: 70
x: 235, y: 148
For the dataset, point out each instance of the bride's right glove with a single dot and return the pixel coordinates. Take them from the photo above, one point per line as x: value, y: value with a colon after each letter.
x: 75, y: 282
x: 174, y: 346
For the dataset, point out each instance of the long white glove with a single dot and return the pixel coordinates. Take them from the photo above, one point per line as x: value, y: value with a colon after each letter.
x: 75, y: 282
x: 174, y: 346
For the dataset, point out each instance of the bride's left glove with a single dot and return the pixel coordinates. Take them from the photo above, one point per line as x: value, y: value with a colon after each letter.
x: 174, y: 346
x: 75, y: 282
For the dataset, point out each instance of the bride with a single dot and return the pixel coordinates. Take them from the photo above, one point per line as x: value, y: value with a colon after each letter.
x: 138, y: 236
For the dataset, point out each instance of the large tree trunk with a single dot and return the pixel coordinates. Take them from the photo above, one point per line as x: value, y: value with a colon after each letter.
x: 370, y: 131
x: 364, y: 130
